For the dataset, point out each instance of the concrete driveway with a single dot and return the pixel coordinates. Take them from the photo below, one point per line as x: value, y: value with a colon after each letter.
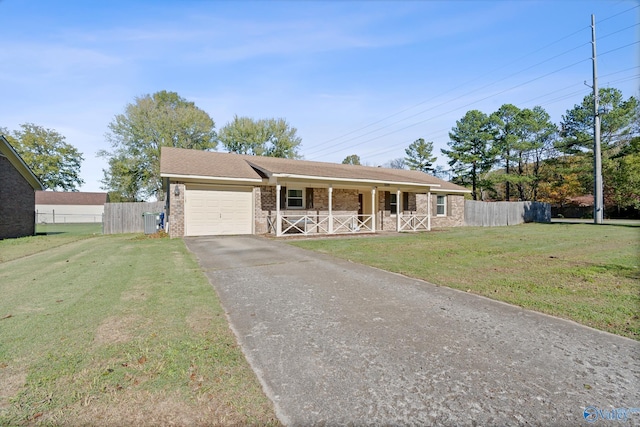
x: 337, y: 343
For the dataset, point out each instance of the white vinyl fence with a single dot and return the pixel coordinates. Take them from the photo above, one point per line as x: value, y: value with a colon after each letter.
x: 127, y: 217
x: 494, y: 214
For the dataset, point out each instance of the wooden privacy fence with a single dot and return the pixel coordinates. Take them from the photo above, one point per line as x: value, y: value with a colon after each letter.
x: 493, y: 214
x: 127, y: 217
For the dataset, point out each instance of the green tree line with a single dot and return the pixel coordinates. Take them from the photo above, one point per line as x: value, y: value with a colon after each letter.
x: 52, y: 160
x: 165, y: 119
x: 510, y: 154
x: 520, y: 154
x: 136, y: 136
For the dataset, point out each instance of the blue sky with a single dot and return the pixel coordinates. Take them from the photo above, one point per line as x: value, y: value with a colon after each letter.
x: 354, y: 77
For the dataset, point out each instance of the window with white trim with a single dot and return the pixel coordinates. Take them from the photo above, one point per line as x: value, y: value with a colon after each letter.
x: 441, y: 205
x: 295, y: 198
x: 393, y: 203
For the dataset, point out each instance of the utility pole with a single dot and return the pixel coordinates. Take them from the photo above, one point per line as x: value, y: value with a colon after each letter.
x: 598, y: 199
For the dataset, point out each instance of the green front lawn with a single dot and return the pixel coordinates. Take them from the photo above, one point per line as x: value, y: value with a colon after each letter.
x: 88, y: 228
x: 586, y: 273
x: 47, y: 236
x: 117, y: 330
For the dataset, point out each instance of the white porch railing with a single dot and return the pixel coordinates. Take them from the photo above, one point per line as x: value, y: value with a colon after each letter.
x: 412, y: 222
x: 305, y: 224
x: 352, y: 223
x: 322, y: 224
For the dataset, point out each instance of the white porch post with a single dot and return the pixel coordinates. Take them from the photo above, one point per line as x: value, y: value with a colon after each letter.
x: 330, y: 209
x: 429, y: 211
x: 278, y: 219
x: 398, y: 208
x: 373, y: 209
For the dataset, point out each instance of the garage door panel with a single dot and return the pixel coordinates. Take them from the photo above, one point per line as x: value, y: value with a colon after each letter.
x: 218, y: 211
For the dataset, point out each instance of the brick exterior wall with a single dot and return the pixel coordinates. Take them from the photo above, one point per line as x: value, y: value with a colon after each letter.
x: 264, y: 206
x: 387, y: 221
x: 454, y: 212
x: 345, y: 202
x: 384, y: 220
x: 176, y: 211
x: 422, y: 203
x: 17, y: 203
x: 418, y: 204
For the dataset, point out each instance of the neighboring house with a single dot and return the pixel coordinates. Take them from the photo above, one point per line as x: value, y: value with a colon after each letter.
x: 17, y: 198
x: 54, y: 207
x: 574, y: 207
x: 223, y: 193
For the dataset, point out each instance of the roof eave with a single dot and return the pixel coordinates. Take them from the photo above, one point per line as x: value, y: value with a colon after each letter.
x: 453, y: 190
x: 266, y: 172
x: 211, y: 178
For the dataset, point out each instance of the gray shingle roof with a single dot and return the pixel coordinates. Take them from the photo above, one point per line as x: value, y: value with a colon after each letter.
x: 179, y: 161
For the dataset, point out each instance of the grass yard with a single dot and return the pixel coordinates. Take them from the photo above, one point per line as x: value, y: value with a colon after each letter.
x: 87, y: 228
x: 48, y: 236
x: 586, y: 273
x: 117, y: 330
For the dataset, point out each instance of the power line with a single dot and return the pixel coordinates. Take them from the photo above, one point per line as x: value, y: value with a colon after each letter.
x: 394, y: 146
x: 315, y: 152
x: 618, y: 48
x: 554, y: 100
x: 616, y: 32
x: 440, y: 132
x: 469, y: 104
x: 618, y: 14
x: 451, y: 90
x: 625, y: 79
x: 449, y: 101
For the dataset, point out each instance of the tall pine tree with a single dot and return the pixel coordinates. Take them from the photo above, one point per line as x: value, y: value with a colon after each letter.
x: 471, y: 153
x: 419, y: 156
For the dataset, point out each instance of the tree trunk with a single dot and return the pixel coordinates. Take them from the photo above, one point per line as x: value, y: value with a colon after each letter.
x: 520, y: 174
x: 507, y: 187
x: 473, y: 182
x: 536, y: 178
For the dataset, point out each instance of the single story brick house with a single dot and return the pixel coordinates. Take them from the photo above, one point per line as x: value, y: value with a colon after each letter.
x: 17, y: 194
x: 209, y: 193
x: 69, y: 206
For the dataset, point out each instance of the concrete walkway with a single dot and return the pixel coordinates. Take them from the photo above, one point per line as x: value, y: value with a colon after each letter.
x: 337, y: 343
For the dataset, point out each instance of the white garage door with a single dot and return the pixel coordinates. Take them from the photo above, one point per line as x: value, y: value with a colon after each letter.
x: 218, y: 211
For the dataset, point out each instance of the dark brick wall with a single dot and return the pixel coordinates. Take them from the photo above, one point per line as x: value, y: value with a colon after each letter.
x: 17, y: 203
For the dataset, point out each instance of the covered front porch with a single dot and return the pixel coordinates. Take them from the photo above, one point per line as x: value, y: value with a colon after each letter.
x: 335, y: 209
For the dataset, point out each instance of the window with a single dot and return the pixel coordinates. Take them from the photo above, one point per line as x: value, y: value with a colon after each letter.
x: 295, y: 198
x: 441, y: 205
x: 393, y: 203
